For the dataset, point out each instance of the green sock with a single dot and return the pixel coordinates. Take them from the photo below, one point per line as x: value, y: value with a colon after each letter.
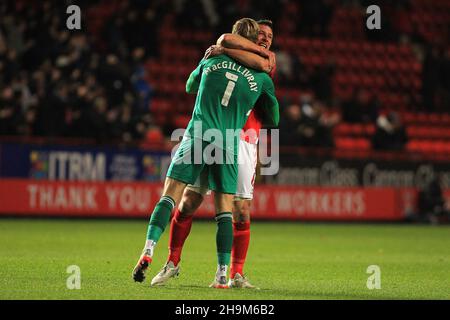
x: 160, y: 218
x: 224, y: 237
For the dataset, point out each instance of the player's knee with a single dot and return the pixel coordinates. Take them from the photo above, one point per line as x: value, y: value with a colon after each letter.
x: 190, y: 203
x: 241, y: 212
x: 174, y: 189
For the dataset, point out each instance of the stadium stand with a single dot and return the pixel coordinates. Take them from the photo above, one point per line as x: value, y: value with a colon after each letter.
x: 91, y: 76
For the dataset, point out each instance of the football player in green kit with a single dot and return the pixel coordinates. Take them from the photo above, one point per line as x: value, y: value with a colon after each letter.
x: 209, y: 148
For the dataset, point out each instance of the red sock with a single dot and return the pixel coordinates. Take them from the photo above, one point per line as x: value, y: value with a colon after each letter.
x: 241, y: 240
x: 179, y: 231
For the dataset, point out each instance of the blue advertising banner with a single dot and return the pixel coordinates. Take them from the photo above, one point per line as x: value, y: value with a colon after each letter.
x: 81, y: 163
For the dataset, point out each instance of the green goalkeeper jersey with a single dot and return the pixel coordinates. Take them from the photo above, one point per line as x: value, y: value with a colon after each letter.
x: 226, y: 93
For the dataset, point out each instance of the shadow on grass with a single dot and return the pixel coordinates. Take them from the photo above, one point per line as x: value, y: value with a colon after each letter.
x: 288, y: 294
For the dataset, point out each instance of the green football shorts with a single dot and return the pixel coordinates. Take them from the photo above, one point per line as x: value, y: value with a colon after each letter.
x: 198, y: 158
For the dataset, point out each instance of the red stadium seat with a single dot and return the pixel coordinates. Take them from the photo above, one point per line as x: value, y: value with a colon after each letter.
x: 353, y: 143
x: 154, y: 135
x: 343, y: 129
x: 182, y: 121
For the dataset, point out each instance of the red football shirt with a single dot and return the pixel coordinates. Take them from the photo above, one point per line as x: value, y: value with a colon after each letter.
x: 254, y: 123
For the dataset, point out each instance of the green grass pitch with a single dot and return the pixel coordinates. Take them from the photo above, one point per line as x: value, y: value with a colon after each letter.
x: 287, y: 260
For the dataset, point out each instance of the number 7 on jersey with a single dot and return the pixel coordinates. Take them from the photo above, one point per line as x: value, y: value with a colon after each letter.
x: 230, y: 87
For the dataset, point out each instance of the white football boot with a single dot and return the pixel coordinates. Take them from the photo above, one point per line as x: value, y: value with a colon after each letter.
x: 167, y: 272
x: 241, y: 282
x: 220, y: 282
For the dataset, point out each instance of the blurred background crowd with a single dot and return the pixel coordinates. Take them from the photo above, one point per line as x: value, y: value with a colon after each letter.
x: 121, y: 77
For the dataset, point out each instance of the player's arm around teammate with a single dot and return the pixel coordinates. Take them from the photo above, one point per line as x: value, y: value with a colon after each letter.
x: 246, y: 58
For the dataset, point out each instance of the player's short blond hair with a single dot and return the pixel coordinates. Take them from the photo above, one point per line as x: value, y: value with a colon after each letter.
x: 247, y: 28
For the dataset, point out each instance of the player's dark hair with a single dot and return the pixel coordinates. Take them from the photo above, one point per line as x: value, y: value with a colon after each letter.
x: 266, y: 22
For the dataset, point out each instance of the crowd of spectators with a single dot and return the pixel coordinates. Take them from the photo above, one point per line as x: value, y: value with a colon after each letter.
x: 55, y: 82
x: 363, y: 106
x: 307, y: 124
